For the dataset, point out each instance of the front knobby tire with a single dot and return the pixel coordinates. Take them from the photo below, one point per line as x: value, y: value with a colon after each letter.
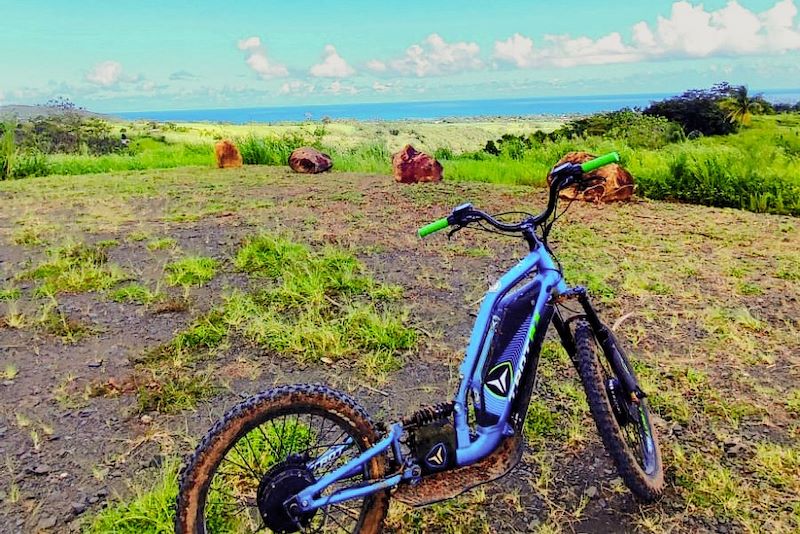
x: 634, y: 449
x: 227, y: 448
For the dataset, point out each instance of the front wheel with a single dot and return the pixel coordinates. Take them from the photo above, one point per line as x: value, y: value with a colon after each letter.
x: 624, y: 426
x: 267, y: 449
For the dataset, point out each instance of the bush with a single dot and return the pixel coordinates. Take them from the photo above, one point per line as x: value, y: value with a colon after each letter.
x: 786, y: 107
x: 31, y: 163
x: 8, y: 150
x: 510, y: 146
x: 69, y: 133
x: 442, y: 154
x: 698, y: 110
x: 635, y: 128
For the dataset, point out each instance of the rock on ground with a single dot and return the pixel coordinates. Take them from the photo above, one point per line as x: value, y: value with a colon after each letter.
x: 411, y: 166
x: 607, y: 184
x: 309, y: 160
x: 227, y: 154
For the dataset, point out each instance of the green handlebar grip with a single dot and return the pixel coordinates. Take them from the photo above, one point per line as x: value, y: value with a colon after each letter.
x: 595, y: 164
x: 433, y: 227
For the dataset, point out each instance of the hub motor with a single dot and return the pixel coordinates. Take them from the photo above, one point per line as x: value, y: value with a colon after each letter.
x: 282, y: 482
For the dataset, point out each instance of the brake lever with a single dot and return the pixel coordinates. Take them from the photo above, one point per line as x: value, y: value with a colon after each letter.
x: 452, y: 232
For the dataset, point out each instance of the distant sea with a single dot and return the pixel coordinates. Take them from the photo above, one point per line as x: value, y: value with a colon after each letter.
x: 517, y: 107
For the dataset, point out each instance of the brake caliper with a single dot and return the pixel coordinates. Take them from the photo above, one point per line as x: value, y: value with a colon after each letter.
x: 615, y: 396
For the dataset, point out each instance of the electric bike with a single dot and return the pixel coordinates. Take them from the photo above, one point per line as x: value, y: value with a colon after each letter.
x: 308, y: 458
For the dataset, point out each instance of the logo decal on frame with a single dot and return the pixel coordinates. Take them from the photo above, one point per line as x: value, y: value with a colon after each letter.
x: 438, y: 455
x: 499, y: 380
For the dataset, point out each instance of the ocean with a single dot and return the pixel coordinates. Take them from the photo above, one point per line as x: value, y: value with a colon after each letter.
x: 517, y: 107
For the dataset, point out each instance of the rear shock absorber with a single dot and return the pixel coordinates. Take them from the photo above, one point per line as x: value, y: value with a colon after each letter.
x: 427, y: 415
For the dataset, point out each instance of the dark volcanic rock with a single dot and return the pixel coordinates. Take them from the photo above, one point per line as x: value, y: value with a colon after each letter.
x: 309, y: 160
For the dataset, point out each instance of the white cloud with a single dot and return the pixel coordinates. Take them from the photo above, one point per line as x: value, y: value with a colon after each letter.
x: 106, y: 73
x: 333, y: 65
x: 517, y: 49
x: 337, y: 87
x: 258, y: 61
x: 690, y: 31
x: 379, y: 87
x: 432, y: 57
x: 376, y: 65
x: 249, y: 43
x: 296, y: 87
x: 778, y: 23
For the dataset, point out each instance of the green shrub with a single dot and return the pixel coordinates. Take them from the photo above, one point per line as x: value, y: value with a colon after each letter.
x: 31, y: 163
x: 8, y: 150
x: 698, y: 110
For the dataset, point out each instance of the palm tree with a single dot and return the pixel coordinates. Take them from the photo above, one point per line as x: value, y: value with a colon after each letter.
x: 740, y: 106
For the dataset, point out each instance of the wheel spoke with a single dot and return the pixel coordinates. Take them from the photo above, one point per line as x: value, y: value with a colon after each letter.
x: 266, y: 447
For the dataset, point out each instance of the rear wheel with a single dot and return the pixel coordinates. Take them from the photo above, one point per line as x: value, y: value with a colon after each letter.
x: 267, y: 449
x: 624, y: 425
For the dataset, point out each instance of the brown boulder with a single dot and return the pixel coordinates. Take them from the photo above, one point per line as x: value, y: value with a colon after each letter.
x: 607, y: 184
x: 309, y: 160
x: 227, y: 154
x: 411, y: 166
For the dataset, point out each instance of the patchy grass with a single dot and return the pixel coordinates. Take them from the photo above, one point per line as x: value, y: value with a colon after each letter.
x: 269, y: 254
x: 149, y: 510
x: 462, y: 515
x: 793, y: 402
x: 133, y: 294
x: 318, y: 306
x: 137, y: 236
x: 680, y: 284
x: 75, y: 268
x: 9, y: 372
x: 321, y: 304
x: 10, y: 293
x: 174, y: 389
x: 56, y: 322
x: 162, y: 243
x: 30, y: 236
x: 194, y: 271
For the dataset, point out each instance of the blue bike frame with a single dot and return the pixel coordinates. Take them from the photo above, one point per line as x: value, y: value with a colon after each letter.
x: 470, y: 446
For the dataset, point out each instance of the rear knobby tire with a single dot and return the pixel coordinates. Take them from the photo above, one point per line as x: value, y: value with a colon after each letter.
x: 647, y: 487
x: 201, y: 467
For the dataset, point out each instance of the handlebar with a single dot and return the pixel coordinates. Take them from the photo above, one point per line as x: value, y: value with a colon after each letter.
x: 433, y: 227
x: 563, y: 176
x: 594, y: 164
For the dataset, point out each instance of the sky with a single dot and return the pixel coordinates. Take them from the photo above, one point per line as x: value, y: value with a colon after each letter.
x: 158, y: 54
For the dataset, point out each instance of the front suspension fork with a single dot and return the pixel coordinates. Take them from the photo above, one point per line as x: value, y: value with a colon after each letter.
x: 605, y: 338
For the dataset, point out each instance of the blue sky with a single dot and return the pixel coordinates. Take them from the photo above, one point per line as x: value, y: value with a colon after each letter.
x: 151, y: 55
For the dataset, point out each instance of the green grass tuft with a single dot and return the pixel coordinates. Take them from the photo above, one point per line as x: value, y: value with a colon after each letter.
x: 162, y: 243
x: 10, y: 293
x: 194, y: 271
x: 173, y: 390
x: 269, y: 255
x: 75, y: 269
x: 151, y: 509
x: 133, y: 294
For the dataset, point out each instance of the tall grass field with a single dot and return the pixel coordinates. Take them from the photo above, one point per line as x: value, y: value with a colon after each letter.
x: 756, y: 169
